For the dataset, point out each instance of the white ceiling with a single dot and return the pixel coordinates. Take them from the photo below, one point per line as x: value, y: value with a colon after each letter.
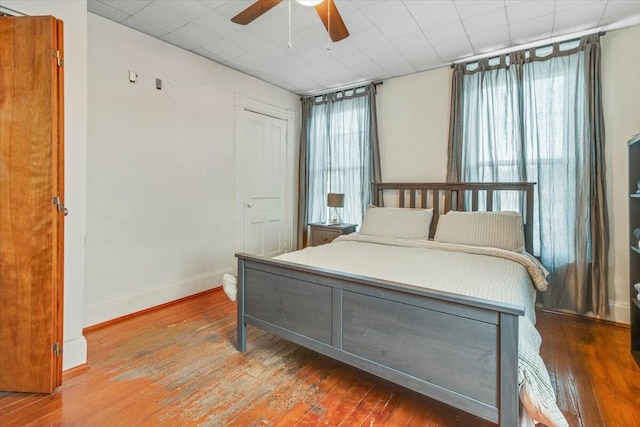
x: 389, y: 38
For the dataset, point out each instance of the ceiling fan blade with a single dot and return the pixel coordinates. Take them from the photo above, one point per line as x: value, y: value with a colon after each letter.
x: 254, y: 11
x: 328, y: 10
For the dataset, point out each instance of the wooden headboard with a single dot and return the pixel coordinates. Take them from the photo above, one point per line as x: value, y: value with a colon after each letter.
x: 446, y: 196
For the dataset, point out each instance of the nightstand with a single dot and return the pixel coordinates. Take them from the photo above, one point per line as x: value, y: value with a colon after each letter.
x: 321, y: 233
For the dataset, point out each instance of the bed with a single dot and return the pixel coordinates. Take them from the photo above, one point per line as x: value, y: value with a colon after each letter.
x: 461, y: 349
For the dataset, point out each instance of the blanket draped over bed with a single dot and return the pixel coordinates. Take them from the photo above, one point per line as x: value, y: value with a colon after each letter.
x: 487, y: 273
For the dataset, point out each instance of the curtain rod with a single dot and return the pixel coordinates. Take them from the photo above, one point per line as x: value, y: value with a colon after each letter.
x: 376, y: 84
x: 494, y: 55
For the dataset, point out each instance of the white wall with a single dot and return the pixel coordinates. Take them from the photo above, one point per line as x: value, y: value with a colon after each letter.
x: 160, y: 170
x: 74, y: 15
x: 413, y: 116
x: 413, y: 126
x: 621, y: 103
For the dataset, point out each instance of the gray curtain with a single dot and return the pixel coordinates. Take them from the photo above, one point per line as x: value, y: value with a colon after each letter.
x: 339, y: 153
x: 597, y: 190
x: 536, y: 115
x: 454, y: 151
x: 303, y: 182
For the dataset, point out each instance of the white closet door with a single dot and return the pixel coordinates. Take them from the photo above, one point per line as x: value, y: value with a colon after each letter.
x: 262, y: 156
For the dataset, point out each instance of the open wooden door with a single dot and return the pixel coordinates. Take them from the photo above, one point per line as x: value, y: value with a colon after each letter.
x: 31, y: 203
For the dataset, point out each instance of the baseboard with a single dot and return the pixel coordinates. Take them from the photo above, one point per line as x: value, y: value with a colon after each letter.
x: 122, y: 305
x: 97, y: 326
x: 619, y: 314
x: 74, y: 353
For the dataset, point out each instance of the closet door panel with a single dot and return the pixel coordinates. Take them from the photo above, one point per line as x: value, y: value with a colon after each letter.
x: 30, y: 224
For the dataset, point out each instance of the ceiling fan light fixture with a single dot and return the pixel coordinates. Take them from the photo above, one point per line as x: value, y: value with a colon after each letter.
x: 309, y: 2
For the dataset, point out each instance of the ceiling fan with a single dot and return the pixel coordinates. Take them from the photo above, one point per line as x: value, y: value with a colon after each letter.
x: 327, y: 11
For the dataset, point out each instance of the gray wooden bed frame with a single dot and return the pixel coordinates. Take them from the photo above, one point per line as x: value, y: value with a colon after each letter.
x: 460, y: 350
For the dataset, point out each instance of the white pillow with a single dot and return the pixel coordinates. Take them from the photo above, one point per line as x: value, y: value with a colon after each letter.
x: 503, y: 230
x: 404, y: 223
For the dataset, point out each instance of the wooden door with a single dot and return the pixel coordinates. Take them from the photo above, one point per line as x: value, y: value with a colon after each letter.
x: 262, y: 161
x: 31, y: 222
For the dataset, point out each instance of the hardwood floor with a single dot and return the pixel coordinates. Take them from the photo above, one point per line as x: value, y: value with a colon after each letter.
x: 177, y: 366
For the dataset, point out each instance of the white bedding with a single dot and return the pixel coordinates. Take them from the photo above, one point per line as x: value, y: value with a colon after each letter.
x: 488, y: 273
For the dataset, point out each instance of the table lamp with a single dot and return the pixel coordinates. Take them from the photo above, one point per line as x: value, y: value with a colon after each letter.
x: 335, y: 201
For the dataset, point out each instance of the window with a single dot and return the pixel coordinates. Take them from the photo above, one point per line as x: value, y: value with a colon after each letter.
x: 536, y: 116
x: 339, y: 152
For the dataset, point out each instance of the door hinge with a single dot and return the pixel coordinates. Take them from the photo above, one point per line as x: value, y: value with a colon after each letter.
x: 56, y: 54
x: 57, y: 349
x: 60, y: 206
x: 58, y: 203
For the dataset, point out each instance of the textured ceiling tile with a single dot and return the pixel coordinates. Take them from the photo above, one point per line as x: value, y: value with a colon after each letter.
x: 380, y: 50
x: 144, y: 27
x: 313, y: 55
x: 248, y: 60
x: 217, y: 24
x: 423, y: 59
x: 155, y: 15
x: 621, y: 9
x: 488, y: 21
x: 348, y: 54
x: 356, y: 21
x: 396, y: 29
x: 225, y: 49
x: 269, y: 51
x: 490, y: 41
x: 270, y: 29
x: 578, y: 19
x: 194, y: 34
x: 208, y: 54
x: 411, y: 42
x: 179, y: 41
x: 535, y: 29
x: 317, y: 35
x: 430, y: 14
x: 369, y: 37
x: 572, y: 4
x: 386, y: 12
x: 530, y: 9
x: 454, y: 50
x: 247, y: 40
x: 106, y: 11
x: 129, y: 7
x: 470, y: 8
x: 439, y: 35
x: 229, y: 9
x: 185, y: 9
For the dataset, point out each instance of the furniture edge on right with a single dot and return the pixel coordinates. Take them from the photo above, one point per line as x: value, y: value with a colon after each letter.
x: 634, y: 247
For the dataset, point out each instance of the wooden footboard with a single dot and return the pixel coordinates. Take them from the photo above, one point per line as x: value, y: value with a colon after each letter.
x: 460, y: 350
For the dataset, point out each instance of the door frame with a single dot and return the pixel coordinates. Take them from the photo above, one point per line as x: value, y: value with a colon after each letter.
x: 242, y: 104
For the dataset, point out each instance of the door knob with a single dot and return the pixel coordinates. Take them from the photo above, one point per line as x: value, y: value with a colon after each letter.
x: 66, y: 211
x: 249, y: 205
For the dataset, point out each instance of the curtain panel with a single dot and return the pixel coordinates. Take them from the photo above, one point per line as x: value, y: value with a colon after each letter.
x: 536, y: 115
x: 339, y: 153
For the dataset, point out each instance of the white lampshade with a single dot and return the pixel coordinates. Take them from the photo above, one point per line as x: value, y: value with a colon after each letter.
x: 309, y: 2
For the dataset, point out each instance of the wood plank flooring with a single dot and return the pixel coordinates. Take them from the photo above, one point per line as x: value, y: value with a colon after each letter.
x: 177, y: 366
